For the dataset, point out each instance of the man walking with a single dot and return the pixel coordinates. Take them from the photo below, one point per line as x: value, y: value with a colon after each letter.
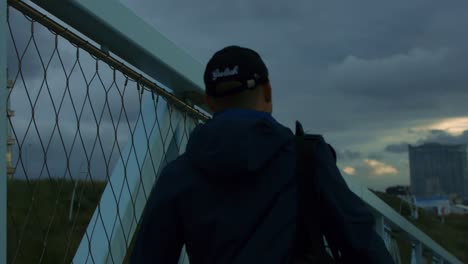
x: 232, y: 197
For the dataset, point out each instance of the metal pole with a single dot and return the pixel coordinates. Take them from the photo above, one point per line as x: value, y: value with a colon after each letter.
x: 417, y: 253
x: 3, y: 132
x: 113, y: 224
x: 72, y: 202
x: 379, y: 224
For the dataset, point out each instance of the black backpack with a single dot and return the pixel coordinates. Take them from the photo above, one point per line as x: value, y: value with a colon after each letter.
x: 309, y: 245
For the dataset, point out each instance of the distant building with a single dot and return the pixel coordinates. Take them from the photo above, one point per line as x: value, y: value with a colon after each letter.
x: 437, y: 169
x: 440, y: 205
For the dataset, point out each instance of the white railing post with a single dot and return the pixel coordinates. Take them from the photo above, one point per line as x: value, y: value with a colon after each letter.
x: 395, y: 250
x: 395, y: 221
x: 3, y: 131
x: 380, y: 225
x: 416, y: 253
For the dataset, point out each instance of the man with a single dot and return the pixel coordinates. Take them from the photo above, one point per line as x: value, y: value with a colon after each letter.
x: 233, y: 193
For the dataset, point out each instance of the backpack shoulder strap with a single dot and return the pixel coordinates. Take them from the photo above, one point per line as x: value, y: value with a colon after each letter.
x: 309, y: 237
x: 309, y: 140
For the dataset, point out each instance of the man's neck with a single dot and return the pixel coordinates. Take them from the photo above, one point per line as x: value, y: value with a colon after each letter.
x: 244, y: 113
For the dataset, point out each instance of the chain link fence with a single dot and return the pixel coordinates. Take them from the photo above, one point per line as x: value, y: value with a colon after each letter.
x: 78, y: 116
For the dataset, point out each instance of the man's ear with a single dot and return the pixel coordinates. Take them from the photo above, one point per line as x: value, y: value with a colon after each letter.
x: 209, y: 101
x: 267, y: 92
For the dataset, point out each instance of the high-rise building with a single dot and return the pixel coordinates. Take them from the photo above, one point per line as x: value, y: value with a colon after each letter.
x: 437, y: 169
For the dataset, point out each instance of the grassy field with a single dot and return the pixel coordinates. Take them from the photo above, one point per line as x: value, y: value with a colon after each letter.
x: 39, y: 229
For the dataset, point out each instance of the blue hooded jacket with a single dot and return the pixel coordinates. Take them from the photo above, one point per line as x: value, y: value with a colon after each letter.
x: 237, y: 175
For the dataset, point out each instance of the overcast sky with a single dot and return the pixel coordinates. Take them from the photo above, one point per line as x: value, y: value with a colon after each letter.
x: 372, y: 76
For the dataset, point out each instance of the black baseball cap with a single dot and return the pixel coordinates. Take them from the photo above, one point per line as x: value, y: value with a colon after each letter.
x: 234, y: 64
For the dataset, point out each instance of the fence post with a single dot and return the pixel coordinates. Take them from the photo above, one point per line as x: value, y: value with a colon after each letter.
x: 379, y: 225
x: 107, y: 236
x: 3, y: 131
x: 417, y: 253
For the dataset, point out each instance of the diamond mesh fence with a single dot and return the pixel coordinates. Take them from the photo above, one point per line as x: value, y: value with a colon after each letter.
x: 76, y: 115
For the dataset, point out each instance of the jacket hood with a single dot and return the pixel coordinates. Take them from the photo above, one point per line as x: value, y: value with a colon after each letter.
x: 230, y: 149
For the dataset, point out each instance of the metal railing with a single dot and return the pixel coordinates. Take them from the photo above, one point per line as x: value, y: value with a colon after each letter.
x: 389, y: 221
x: 89, y: 136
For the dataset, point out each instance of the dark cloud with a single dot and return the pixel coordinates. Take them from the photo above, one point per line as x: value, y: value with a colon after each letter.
x: 102, y: 108
x: 422, y: 77
x: 364, y: 64
x: 83, y: 93
x: 43, y: 147
x: 353, y: 71
x: 397, y: 148
x: 434, y: 136
x: 376, y: 156
x: 443, y: 137
x: 349, y: 155
x: 350, y: 70
x: 32, y: 49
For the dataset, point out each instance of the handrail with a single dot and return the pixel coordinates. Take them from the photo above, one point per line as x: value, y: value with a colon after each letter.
x: 133, y: 40
x: 105, y: 57
x: 396, y: 221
